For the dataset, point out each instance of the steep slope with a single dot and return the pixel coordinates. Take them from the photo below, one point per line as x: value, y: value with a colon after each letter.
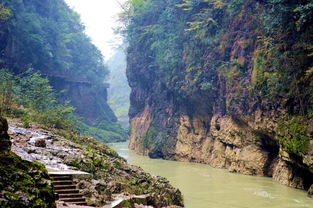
x: 49, y: 37
x: 22, y: 183
x: 224, y: 82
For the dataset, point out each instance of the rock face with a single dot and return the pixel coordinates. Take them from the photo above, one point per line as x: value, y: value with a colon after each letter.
x: 208, y: 92
x: 22, y: 183
x: 231, y: 143
x: 110, y: 178
x: 90, y: 100
x: 241, y: 144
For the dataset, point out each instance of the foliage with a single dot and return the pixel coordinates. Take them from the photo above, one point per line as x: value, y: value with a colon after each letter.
x: 4, y: 13
x: 34, y: 91
x: 148, y: 138
x: 188, y: 43
x: 49, y: 36
x: 7, y: 84
x: 37, y: 97
x: 30, y: 97
x: 293, y: 135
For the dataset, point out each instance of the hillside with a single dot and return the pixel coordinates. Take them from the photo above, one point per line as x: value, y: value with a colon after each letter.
x: 223, y: 82
x: 48, y: 37
x: 110, y: 178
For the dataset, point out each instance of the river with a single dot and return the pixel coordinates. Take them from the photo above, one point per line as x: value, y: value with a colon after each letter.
x: 205, y: 187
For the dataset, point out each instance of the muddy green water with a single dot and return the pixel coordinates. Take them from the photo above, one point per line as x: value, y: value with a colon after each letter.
x: 206, y: 187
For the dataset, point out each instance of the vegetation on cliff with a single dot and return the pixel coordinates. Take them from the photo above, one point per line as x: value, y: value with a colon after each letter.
x: 242, y: 55
x: 212, y: 78
x: 48, y: 38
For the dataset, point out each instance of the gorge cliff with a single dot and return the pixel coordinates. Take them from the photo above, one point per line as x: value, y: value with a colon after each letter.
x: 48, y: 37
x: 224, y: 82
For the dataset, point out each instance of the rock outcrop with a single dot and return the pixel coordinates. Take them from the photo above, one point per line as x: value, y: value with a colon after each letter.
x: 241, y: 144
x: 22, y: 183
x: 110, y: 175
x: 89, y: 99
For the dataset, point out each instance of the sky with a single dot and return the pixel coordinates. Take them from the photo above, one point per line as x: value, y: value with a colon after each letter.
x: 99, y: 18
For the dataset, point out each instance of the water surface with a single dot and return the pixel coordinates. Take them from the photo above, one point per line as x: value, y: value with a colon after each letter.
x: 207, y: 187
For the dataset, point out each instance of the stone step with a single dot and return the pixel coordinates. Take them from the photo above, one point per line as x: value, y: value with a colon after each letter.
x: 70, y: 195
x: 67, y: 191
x: 63, y: 182
x: 81, y: 203
x: 61, y: 187
x: 60, y: 175
x: 60, y: 178
x: 73, y: 200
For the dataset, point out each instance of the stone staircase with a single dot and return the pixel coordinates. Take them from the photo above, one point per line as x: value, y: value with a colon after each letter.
x: 66, y: 189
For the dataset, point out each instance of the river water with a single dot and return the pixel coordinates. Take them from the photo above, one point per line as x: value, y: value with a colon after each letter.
x: 205, y: 187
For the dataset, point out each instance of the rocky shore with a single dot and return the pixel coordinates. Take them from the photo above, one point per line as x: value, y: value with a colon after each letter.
x: 110, y: 178
x: 247, y: 145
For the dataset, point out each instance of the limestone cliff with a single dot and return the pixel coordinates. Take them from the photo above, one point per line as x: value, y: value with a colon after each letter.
x: 223, y: 83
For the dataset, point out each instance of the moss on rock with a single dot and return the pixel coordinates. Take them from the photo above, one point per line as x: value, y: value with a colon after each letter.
x: 22, y: 183
x: 5, y: 143
x: 293, y: 135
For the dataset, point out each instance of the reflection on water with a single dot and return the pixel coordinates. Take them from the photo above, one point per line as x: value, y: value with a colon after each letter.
x: 206, y: 187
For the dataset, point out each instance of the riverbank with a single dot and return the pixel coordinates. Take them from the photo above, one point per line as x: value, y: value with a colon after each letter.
x: 110, y: 177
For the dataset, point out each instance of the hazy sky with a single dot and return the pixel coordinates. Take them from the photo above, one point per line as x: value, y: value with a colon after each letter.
x: 99, y: 17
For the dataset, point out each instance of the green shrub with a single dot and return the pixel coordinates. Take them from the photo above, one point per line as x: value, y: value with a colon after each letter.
x: 7, y: 85
x: 293, y: 135
x: 37, y: 99
x: 147, y: 139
